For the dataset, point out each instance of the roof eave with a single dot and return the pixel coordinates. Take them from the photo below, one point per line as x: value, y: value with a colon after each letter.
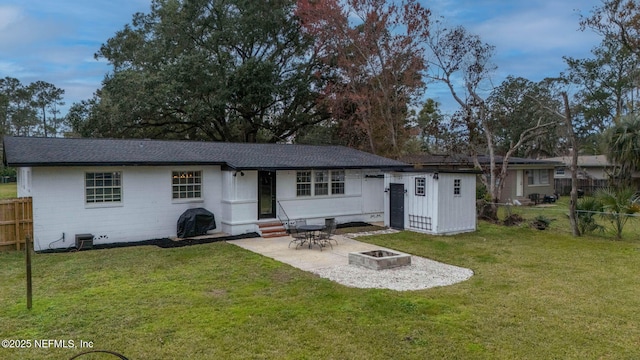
x: 114, y: 163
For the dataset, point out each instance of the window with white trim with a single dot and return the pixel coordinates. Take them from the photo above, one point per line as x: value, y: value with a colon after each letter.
x: 420, y: 186
x: 320, y: 182
x: 538, y: 177
x: 321, y: 185
x: 457, y: 187
x: 186, y: 185
x: 560, y: 171
x: 303, y: 183
x: 103, y: 187
x: 337, y: 182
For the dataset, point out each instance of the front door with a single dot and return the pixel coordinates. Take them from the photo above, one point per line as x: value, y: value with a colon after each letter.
x: 396, y: 206
x: 519, y: 183
x: 266, y: 194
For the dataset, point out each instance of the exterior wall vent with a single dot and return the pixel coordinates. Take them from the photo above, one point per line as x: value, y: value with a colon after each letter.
x: 84, y: 241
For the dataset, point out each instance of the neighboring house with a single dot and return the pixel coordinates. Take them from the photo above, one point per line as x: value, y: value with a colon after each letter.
x: 524, y: 176
x: 432, y: 202
x: 594, y: 171
x: 134, y: 190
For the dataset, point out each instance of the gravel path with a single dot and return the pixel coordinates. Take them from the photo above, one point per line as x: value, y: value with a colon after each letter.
x: 421, y: 274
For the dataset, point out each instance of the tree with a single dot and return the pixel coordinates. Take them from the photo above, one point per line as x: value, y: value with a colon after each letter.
x: 235, y: 70
x: 607, y: 86
x: 513, y: 107
x: 21, y: 116
x: 462, y: 62
x: 434, y: 133
x: 371, y: 50
x: 618, y: 20
x: 622, y: 142
x: 47, y: 97
x: 20, y: 105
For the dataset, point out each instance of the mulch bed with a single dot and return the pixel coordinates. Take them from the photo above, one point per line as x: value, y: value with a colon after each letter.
x: 165, y: 243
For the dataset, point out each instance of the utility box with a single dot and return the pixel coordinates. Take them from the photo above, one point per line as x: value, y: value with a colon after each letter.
x: 84, y: 241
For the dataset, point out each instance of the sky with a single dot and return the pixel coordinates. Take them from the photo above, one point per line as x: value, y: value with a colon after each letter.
x: 55, y: 41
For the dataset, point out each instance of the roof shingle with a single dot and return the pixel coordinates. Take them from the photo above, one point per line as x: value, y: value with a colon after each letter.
x: 33, y: 151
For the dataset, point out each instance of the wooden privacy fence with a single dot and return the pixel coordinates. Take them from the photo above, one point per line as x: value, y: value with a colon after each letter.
x: 16, y: 222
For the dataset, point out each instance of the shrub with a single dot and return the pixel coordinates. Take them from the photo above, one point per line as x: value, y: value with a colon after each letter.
x: 617, y: 205
x: 541, y: 222
x: 586, y: 209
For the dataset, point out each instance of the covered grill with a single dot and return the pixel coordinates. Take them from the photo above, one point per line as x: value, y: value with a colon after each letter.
x: 194, y: 222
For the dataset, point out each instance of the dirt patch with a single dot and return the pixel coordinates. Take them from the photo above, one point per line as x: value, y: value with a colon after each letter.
x: 513, y: 220
x: 217, y: 293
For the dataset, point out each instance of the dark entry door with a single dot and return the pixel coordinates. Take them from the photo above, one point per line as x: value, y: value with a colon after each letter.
x: 396, y: 206
x: 266, y: 194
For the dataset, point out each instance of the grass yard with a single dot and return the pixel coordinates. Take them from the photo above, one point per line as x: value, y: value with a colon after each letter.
x: 8, y: 191
x: 535, y: 295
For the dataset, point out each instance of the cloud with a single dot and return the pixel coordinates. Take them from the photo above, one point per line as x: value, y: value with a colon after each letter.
x: 9, y: 15
x: 19, y: 30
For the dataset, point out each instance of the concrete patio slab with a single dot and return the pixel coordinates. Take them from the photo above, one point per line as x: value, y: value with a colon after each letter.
x: 303, y: 257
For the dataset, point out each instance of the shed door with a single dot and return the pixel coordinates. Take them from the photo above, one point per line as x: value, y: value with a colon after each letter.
x: 396, y: 206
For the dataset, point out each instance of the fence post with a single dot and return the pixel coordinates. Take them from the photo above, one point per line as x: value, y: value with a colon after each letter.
x: 16, y: 224
x: 27, y: 247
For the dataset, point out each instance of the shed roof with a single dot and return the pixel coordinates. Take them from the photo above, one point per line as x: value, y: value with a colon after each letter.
x: 34, y: 151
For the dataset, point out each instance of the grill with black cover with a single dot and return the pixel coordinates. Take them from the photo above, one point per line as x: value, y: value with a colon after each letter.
x: 195, y: 222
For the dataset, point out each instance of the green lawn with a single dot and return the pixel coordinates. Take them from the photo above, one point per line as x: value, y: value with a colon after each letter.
x: 8, y: 191
x: 535, y: 295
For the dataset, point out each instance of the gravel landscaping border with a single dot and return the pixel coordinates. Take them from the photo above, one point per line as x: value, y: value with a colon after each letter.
x: 421, y: 274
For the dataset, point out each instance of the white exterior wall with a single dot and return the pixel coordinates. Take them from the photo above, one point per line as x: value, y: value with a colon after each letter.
x: 239, y: 202
x: 362, y: 200
x: 448, y: 214
x: 456, y: 214
x: 146, y: 212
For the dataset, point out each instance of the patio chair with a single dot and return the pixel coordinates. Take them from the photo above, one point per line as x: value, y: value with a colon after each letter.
x: 298, y: 237
x: 326, y: 236
x: 331, y: 228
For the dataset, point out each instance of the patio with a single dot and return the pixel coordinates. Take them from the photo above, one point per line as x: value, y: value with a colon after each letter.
x: 333, y: 264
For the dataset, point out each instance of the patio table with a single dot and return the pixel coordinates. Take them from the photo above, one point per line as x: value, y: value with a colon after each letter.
x: 310, y: 231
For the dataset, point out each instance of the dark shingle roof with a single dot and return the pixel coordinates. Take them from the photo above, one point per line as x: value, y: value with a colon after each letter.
x: 32, y: 151
x: 465, y: 160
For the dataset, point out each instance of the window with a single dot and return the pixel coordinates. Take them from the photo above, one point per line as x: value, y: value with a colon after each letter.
x: 420, y: 186
x: 303, y: 183
x: 103, y: 187
x: 456, y: 187
x: 321, y: 182
x: 321, y: 186
x: 538, y: 177
x: 337, y: 182
x: 186, y: 185
x: 560, y: 171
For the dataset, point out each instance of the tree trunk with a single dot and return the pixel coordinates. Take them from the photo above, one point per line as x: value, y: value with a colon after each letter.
x: 44, y: 121
x: 574, y: 167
